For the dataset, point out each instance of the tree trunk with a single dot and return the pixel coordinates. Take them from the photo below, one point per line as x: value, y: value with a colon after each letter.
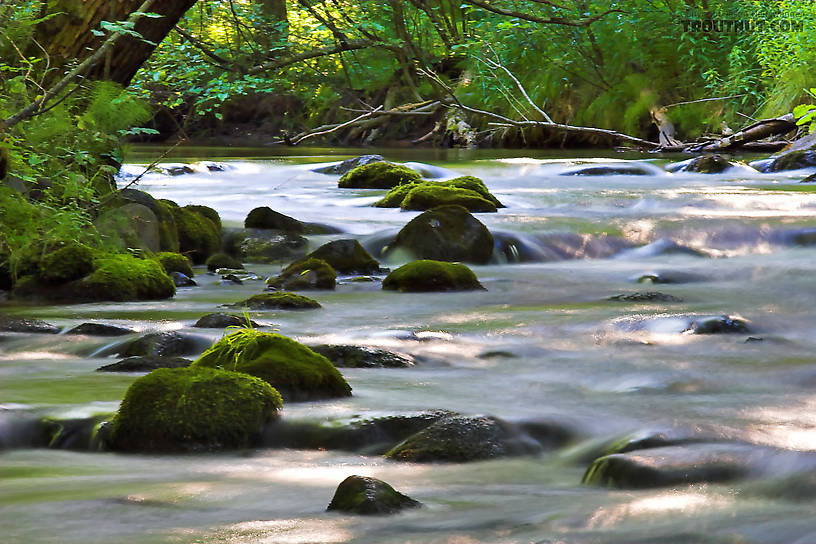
x: 68, y: 36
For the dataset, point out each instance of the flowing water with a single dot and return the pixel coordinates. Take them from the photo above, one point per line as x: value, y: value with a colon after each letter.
x: 602, y: 369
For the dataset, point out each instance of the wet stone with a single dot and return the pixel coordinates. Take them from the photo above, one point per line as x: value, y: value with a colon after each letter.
x: 100, y: 329
x: 145, y: 364
x: 19, y: 324
x: 165, y: 344
x: 645, y: 296
x: 369, y: 496
x: 722, y: 324
x: 346, y: 356
x: 222, y: 321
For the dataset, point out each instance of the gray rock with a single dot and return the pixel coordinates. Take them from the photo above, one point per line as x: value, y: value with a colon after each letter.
x: 722, y: 324
x: 369, y: 496
x: 616, y: 169
x: 19, y: 324
x: 165, y: 344
x: 349, y: 164
x: 100, y: 329
x: 345, y: 356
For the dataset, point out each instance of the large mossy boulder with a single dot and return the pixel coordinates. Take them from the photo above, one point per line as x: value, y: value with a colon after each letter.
x: 193, y: 409
x: 199, y: 233
x: 222, y: 260
x: 297, y: 372
x: 130, y: 226
x: 175, y: 262
x: 277, y: 301
x: 305, y: 274
x: 459, y: 439
x: 446, y: 233
x: 123, y: 277
x: 346, y: 257
x: 369, y: 496
x: 467, y: 191
x: 423, y: 276
x: 222, y: 321
x: 378, y: 175
x: 265, y: 217
x: 69, y: 263
x: 167, y: 231
x: 349, y: 164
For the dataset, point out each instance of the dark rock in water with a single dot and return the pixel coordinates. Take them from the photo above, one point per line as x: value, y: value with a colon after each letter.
x: 174, y: 169
x: 459, y: 439
x: 345, y: 356
x: 193, y: 409
x: 706, y: 164
x: 79, y: 434
x: 306, y: 274
x: 668, y: 277
x: 277, y: 301
x: 346, y: 257
x: 372, y: 436
x: 145, y: 363
x: 231, y: 279
x: 497, y: 354
x: 165, y: 344
x: 222, y: 321
x: 810, y: 179
x: 793, y: 160
x: 693, y: 463
x: 267, y: 218
x: 369, y: 496
x: 297, y: 372
x: 378, y: 175
x: 130, y: 225
x: 100, y: 329
x: 663, y: 246
x: 211, y: 166
x: 804, y: 237
x: 182, y: 280
x: 722, y: 324
x: 446, y: 233
x: 425, y: 276
x: 222, y: 260
x: 264, y: 245
x: 349, y: 164
x: 620, y: 169
x: 18, y: 324
x: 645, y: 296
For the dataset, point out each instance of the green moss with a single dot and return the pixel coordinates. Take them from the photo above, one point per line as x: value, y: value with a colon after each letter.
x: 394, y: 197
x: 222, y: 260
x: 307, y: 273
x: 378, y: 175
x: 429, y: 195
x: 123, y: 277
x: 425, y: 275
x: 346, y: 257
x: 174, y: 262
x: 71, y: 262
x: 168, y: 231
x: 207, y: 212
x: 290, y: 367
x: 199, y: 237
x: 193, y: 409
x: 278, y: 301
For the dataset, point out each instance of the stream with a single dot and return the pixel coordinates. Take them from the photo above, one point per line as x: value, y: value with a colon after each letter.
x: 543, y: 342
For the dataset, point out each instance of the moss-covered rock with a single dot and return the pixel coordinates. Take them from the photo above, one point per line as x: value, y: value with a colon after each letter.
x: 277, y: 301
x: 123, y: 277
x: 369, y: 496
x: 349, y: 164
x: 426, y: 196
x: 421, y: 276
x: 130, y: 226
x: 69, y: 263
x: 446, y: 233
x: 297, y: 372
x: 207, y: 212
x: 167, y: 231
x: 222, y: 321
x: 265, y: 217
x: 193, y: 409
x: 305, y: 274
x: 199, y: 236
x: 394, y: 197
x: 222, y: 260
x: 347, y: 257
x: 705, y: 164
x: 378, y: 175
x: 175, y: 262
x: 794, y: 160
x: 145, y: 363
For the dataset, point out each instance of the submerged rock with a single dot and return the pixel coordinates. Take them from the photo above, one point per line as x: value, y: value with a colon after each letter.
x: 264, y: 245
x: 810, y: 179
x: 425, y: 275
x: 617, y: 169
x: 100, y: 329
x: 20, y: 324
x: 278, y: 301
x: 668, y: 277
x: 167, y: 230
x: 346, y: 257
x: 378, y: 175
x: 722, y: 324
x: 459, y: 439
x: 222, y: 260
x: 705, y: 164
x: 145, y: 363
x: 349, y: 164
x: 165, y: 344
x: 345, y: 356
x: 182, y: 280
x: 297, y: 372
x: 645, y: 296
x: 222, y: 321
x: 446, y: 233
x: 369, y: 496
x: 193, y: 409
x: 306, y: 274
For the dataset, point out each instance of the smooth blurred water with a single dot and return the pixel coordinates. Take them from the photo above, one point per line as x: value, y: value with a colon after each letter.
x: 601, y: 368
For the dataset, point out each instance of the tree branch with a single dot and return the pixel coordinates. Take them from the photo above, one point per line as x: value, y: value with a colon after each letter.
x: 314, y: 53
x: 543, y: 20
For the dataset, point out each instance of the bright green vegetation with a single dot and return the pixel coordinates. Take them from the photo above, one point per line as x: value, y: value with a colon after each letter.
x: 199, y: 235
x: 174, y: 262
x: 467, y: 191
x: 290, y: 367
x: 305, y: 274
x: 278, y: 301
x: 222, y: 260
x: 425, y: 275
x: 193, y: 409
x: 122, y: 277
x: 378, y: 175
x: 72, y: 262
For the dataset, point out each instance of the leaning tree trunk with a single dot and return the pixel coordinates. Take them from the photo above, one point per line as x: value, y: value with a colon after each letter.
x: 68, y: 36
